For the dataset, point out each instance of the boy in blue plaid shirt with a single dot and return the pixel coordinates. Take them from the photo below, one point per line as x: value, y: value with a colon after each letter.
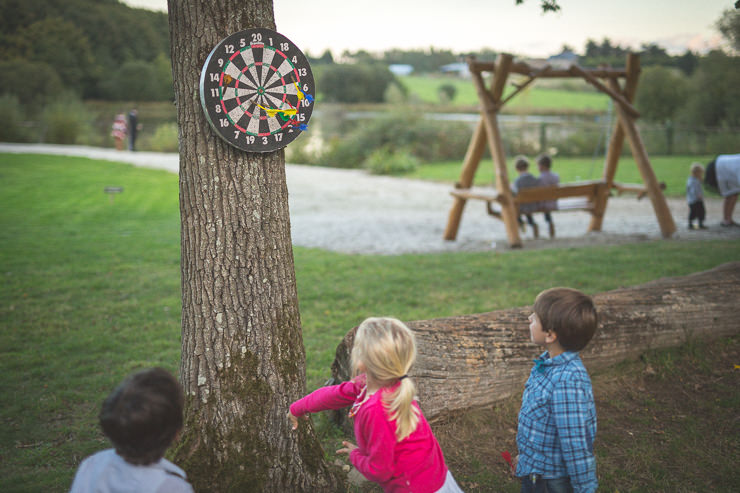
x: 557, y: 420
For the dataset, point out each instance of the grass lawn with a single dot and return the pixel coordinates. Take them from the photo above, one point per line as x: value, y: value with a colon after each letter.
x: 90, y: 292
x: 672, y: 170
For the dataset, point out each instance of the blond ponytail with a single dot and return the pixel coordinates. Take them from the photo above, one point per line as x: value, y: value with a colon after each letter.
x: 387, y: 349
x: 402, y: 410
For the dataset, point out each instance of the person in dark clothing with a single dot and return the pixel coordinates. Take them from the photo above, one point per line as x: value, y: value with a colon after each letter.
x: 133, y: 127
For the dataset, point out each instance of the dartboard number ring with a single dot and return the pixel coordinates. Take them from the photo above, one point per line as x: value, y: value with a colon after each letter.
x: 256, y: 89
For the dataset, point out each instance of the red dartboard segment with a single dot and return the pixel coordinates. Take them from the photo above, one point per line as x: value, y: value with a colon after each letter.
x: 256, y: 89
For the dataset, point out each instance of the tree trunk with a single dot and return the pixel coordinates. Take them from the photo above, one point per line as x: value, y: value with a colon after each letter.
x: 475, y: 360
x: 243, y: 360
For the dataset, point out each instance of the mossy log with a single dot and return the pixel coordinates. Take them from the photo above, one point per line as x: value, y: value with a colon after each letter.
x: 475, y: 360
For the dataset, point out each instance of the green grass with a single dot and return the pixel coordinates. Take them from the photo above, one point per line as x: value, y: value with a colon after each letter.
x: 673, y: 170
x: 90, y: 292
x: 535, y: 97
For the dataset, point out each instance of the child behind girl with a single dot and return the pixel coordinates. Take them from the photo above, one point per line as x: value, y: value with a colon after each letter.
x: 395, y: 445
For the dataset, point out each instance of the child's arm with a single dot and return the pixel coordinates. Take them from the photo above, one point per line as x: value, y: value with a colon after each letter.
x: 376, y: 459
x: 575, y: 418
x: 332, y: 397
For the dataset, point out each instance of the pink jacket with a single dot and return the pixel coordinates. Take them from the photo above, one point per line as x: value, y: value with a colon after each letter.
x: 415, y: 464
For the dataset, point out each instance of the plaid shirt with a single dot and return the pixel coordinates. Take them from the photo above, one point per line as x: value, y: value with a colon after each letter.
x: 557, y: 422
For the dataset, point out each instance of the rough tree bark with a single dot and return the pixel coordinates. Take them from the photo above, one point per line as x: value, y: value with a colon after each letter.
x: 243, y: 360
x: 474, y: 360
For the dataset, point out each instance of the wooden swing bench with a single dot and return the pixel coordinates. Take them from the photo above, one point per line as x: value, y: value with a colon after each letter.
x: 590, y: 196
x: 580, y: 196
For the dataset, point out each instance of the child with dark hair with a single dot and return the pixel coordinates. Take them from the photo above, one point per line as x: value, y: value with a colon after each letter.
x: 557, y: 420
x: 525, y: 180
x: 548, y: 178
x: 141, y: 417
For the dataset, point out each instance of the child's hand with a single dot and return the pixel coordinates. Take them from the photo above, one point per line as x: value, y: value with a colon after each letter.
x: 348, y: 447
x: 294, y: 420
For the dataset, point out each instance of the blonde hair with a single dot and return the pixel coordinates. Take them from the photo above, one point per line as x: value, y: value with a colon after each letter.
x: 695, y: 166
x: 387, y: 349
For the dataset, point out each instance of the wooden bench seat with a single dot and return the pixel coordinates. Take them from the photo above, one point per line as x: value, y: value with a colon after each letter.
x: 564, y: 194
x: 569, y: 197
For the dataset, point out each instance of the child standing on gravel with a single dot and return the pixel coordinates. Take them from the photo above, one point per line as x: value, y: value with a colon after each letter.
x: 557, y: 420
x: 695, y: 196
x: 395, y: 445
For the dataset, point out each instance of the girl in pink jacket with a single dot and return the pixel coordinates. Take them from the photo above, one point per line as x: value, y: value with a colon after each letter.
x: 395, y: 445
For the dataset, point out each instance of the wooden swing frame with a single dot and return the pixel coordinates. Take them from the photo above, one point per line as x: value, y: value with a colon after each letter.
x: 596, y: 193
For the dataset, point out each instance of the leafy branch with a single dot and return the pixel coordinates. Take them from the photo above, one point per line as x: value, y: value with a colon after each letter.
x: 547, y: 5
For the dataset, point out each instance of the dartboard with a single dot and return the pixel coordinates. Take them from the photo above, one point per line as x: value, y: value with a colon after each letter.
x: 256, y: 89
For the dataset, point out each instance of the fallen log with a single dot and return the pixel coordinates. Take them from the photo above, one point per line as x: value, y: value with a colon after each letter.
x: 475, y: 360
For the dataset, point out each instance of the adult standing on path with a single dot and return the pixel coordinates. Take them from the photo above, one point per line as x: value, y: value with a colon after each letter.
x: 133, y: 127
x: 724, y: 174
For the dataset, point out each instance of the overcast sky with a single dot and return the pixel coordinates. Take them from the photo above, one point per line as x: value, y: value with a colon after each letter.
x: 470, y: 25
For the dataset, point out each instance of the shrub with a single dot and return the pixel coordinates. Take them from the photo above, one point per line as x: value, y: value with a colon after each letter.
x: 662, y: 92
x: 12, y: 120
x: 354, y: 83
x: 427, y: 140
x: 447, y: 92
x: 579, y: 143
x: 136, y: 80
x: 165, y: 139
x: 386, y: 161
x: 34, y: 83
x: 65, y: 121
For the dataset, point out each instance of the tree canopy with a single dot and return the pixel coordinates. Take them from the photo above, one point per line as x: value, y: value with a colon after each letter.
x: 84, y: 41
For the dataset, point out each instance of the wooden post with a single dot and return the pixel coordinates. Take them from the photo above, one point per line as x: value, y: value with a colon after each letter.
x: 470, y: 166
x: 627, y: 124
x: 614, y: 94
x: 616, y: 142
x: 490, y: 101
x: 662, y: 212
x: 487, y: 130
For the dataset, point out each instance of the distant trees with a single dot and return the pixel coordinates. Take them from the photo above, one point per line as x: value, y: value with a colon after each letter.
x: 714, y: 91
x: 355, y: 82
x: 661, y: 94
x: 40, y: 41
x: 605, y: 53
x: 729, y: 26
x: 710, y: 97
x: 422, y: 60
x: 85, y: 43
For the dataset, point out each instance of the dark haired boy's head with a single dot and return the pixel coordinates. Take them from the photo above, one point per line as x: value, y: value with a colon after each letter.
x: 521, y: 163
x: 143, y: 415
x: 568, y: 313
x: 544, y: 161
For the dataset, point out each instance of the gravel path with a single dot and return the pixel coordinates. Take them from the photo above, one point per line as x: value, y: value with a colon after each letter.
x: 354, y: 212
